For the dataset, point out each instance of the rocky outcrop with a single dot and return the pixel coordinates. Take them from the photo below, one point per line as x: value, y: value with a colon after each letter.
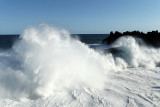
x: 150, y: 38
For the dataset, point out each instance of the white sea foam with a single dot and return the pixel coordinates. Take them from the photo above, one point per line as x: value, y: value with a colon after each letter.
x: 49, y: 61
x: 137, y: 55
x: 47, y: 67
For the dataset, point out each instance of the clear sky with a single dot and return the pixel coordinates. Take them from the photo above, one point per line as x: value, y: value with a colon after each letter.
x: 80, y: 16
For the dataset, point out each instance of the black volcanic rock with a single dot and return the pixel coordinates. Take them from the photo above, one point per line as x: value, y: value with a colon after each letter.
x: 150, y: 38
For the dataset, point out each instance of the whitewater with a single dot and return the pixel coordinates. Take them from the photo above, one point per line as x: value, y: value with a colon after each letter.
x: 47, y: 67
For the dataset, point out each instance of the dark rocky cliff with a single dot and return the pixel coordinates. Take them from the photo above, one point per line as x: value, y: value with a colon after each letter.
x: 150, y: 38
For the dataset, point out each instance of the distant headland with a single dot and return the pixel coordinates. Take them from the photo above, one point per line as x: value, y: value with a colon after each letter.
x: 150, y: 38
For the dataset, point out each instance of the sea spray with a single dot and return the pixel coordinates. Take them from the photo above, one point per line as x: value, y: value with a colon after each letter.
x: 51, y: 61
x: 46, y: 60
x: 47, y: 67
x: 136, y: 53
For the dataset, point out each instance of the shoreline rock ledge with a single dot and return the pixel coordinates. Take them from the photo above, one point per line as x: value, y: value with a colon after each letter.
x: 150, y: 38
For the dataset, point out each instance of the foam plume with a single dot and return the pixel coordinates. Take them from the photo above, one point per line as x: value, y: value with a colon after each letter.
x: 49, y: 60
x: 136, y: 54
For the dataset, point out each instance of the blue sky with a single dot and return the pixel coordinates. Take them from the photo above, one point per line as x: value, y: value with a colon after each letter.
x: 80, y: 16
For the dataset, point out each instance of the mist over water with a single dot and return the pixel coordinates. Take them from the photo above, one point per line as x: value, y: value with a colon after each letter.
x: 136, y: 53
x: 47, y: 61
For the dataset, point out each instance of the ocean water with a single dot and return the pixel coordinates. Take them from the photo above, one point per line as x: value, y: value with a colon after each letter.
x: 48, y: 67
x: 90, y: 38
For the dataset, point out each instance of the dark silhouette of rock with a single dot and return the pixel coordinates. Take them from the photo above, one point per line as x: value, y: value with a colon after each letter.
x: 150, y: 38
